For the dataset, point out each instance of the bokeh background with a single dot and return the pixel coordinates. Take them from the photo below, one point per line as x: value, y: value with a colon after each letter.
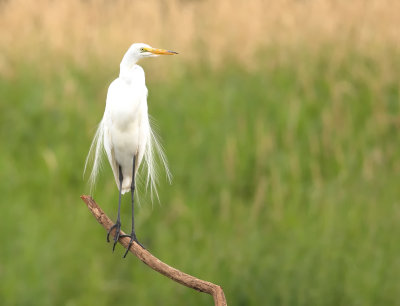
x: 280, y: 120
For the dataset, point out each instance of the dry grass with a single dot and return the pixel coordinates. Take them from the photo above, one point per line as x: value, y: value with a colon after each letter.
x: 100, y: 30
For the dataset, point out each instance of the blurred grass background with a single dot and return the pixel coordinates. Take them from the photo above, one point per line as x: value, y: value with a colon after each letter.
x: 280, y: 121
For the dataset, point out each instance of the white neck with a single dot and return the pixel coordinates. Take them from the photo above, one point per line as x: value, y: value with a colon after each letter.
x: 127, y: 65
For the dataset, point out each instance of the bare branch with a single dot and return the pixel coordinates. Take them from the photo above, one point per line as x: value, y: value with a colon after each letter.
x: 156, y: 264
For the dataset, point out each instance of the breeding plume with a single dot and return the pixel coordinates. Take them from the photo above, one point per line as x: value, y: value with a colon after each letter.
x: 125, y: 132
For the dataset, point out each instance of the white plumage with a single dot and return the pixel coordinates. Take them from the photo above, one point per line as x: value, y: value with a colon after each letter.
x: 125, y: 129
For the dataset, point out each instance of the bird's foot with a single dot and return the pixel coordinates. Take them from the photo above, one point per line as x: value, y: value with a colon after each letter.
x: 133, y: 238
x: 117, y: 227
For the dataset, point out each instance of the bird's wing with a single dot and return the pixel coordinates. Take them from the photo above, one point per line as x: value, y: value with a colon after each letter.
x: 101, y: 141
x: 110, y: 149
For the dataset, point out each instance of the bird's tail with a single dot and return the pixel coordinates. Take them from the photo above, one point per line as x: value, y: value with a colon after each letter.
x: 95, y: 154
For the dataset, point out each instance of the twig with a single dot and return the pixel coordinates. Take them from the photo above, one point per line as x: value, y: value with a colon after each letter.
x: 156, y: 264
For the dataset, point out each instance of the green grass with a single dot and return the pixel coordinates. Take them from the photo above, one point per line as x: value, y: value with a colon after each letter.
x: 285, y: 192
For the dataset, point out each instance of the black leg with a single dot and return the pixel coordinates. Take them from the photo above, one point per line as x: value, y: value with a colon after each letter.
x: 117, y: 224
x: 133, y: 234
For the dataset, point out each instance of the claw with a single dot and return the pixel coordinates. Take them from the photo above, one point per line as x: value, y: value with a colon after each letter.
x: 109, y: 232
x: 127, y: 250
x: 117, y: 227
x: 133, y: 238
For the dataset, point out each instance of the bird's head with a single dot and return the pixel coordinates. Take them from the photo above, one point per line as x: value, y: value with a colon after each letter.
x: 144, y: 50
x: 139, y: 50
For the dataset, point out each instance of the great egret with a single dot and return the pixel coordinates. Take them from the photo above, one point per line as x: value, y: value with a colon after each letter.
x: 126, y: 134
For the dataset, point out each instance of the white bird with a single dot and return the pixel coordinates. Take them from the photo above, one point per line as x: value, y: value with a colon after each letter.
x: 125, y: 132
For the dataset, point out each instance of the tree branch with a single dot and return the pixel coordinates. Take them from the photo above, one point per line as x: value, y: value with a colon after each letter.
x: 156, y: 264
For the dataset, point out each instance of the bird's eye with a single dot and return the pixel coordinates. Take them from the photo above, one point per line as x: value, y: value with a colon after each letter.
x: 142, y: 50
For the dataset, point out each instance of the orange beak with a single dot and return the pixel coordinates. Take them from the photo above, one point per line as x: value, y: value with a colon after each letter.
x: 160, y: 51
